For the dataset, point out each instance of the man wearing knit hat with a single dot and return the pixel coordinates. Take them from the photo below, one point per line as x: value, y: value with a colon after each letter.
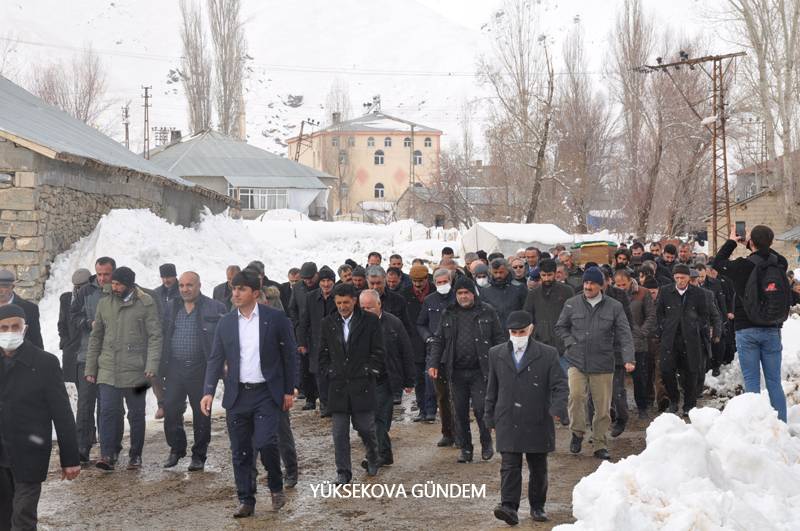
x: 123, y: 355
x: 590, y: 325
x: 460, y: 348
x: 415, y: 295
x: 168, y: 290
x: 69, y: 337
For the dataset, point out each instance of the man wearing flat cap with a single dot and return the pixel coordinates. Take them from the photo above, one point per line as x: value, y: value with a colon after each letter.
x: 309, y: 281
x: 415, y: 295
x: 33, y: 332
x: 33, y: 400
x: 168, y: 290
x: 123, y: 355
x: 69, y: 336
x: 526, y: 389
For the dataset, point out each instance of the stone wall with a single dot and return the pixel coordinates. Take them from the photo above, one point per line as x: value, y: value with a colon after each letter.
x: 47, y: 205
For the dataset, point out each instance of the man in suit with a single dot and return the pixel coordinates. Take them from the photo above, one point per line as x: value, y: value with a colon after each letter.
x: 33, y: 331
x: 351, y: 355
x: 70, y: 337
x: 222, y: 292
x: 256, y: 344
x: 33, y: 399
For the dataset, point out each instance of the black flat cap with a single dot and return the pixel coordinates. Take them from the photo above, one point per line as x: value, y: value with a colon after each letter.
x: 518, y: 320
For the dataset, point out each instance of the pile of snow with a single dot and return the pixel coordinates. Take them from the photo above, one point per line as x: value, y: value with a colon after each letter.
x: 730, y: 382
x: 142, y: 241
x: 735, y: 469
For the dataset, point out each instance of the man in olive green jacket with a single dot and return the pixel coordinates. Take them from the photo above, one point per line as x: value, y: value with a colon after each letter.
x: 124, y: 353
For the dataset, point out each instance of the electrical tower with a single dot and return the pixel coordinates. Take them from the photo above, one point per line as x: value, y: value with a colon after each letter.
x: 146, y: 151
x: 715, y: 124
x: 162, y: 135
x: 126, y: 123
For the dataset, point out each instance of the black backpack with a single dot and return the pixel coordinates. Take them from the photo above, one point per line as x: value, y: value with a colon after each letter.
x: 766, y: 297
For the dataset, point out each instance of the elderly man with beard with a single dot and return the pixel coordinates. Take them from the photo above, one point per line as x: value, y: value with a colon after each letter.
x: 501, y: 294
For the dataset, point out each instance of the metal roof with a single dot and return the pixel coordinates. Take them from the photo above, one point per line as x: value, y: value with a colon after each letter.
x: 791, y: 235
x: 377, y: 122
x: 51, y: 132
x: 212, y: 154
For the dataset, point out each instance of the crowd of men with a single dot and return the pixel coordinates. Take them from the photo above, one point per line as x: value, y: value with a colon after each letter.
x: 519, y: 340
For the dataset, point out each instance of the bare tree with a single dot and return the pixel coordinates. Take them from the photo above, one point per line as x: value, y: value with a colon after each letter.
x: 78, y: 87
x: 8, y: 49
x: 338, y: 101
x: 520, y: 72
x: 582, y: 135
x: 771, y: 29
x: 230, y: 48
x: 195, y: 69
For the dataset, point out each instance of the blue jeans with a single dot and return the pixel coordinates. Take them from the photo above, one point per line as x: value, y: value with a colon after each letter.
x: 760, y: 348
x: 111, y: 418
x: 562, y: 360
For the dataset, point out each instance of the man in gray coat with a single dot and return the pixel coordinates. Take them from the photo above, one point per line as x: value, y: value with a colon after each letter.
x: 526, y: 389
x: 592, y: 325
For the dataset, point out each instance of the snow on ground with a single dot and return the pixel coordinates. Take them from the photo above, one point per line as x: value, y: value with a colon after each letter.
x: 738, y: 469
x: 730, y: 382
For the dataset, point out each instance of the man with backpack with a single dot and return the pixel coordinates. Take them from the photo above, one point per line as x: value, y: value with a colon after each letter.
x: 762, y: 305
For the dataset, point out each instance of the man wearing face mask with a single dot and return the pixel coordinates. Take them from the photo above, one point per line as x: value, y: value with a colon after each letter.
x: 460, y: 349
x: 33, y: 400
x: 33, y: 331
x: 501, y: 295
x: 123, y: 355
x: 526, y: 389
x: 427, y: 324
x: 480, y: 274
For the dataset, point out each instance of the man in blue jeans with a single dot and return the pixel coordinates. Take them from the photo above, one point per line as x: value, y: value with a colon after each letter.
x: 759, y: 347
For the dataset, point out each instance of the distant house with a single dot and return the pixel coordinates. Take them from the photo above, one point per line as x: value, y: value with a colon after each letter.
x: 260, y: 180
x: 374, y: 157
x: 59, y: 176
x: 434, y: 207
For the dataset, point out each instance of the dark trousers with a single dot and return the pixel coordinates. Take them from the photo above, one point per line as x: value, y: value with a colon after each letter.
x: 383, y: 417
x: 640, y: 380
x: 183, y: 382
x: 677, y: 363
x: 253, y: 424
x: 364, y: 424
x: 84, y: 416
x: 18, y: 503
x: 718, y: 351
x: 308, y: 380
x: 469, y: 386
x: 424, y: 390
x: 286, y: 446
x: 321, y: 386
x: 442, y: 387
x: 730, y: 342
x: 619, y: 397
x: 111, y: 422
x: 511, y: 479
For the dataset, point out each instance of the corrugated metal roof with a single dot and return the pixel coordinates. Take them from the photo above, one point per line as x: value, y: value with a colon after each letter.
x: 307, y: 183
x: 791, y: 235
x: 378, y: 121
x: 212, y: 154
x: 24, y: 117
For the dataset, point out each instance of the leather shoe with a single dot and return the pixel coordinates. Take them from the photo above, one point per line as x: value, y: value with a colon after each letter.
x: 323, y: 412
x: 290, y: 482
x: 244, y: 511
x: 342, y: 479
x: 663, y: 404
x: 603, y: 454
x: 575, y: 444
x: 309, y: 406
x: 173, y: 459
x: 278, y: 500
x: 418, y: 418
x: 197, y: 465
x: 431, y: 418
x: 465, y: 456
x: 104, y: 463
x: 506, y: 514
x: 487, y: 453
x: 372, y: 468
x: 386, y: 459
x: 539, y: 515
x: 617, y: 429
x: 445, y: 442
x: 135, y: 463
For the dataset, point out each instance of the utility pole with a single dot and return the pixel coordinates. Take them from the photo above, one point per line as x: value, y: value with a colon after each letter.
x: 304, y: 141
x: 715, y: 124
x: 126, y: 123
x: 146, y: 106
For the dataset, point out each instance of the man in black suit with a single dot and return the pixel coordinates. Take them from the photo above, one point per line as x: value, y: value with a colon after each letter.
x: 256, y: 344
x: 69, y: 336
x: 33, y: 332
x: 222, y: 292
x: 351, y: 355
x: 33, y: 399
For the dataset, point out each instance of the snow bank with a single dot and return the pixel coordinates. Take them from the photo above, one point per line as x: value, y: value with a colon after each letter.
x: 737, y: 469
x: 730, y: 382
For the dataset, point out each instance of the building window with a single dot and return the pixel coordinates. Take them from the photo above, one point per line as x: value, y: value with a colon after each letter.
x: 335, y: 141
x: 231, y: 190
x: 406, y: 142
x: 387, y: 142
x: 351, y: 141
x: 263, y: 198
x: 428, y: 142
x: 379, y: 191
x: 379, y: 157
x: 370, y: 142
x: 417, y: 158
x: 342, y: 156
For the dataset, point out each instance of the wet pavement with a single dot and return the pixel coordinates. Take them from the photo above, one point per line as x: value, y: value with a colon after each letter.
x: 155, y: 498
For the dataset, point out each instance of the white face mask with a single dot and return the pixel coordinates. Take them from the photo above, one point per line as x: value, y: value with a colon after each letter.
x: 519, y: 342
x: 443, y: 289
x: 483, y: 282
x: 11, y: 340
